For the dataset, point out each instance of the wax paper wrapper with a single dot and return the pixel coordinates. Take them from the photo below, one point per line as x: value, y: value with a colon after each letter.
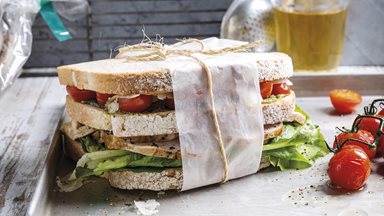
x: 238, y: 105
x: 236, y: 91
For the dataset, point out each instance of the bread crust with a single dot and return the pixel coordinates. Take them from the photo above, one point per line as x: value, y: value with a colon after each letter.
x: 149, y: 124
x: 117, y: 76
x: 168, y: 179
x: 92, y: 76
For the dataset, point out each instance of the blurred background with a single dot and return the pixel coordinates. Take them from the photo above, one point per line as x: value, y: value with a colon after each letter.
x: 110, y: 23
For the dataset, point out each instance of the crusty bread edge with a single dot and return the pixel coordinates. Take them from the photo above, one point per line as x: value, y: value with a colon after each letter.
x: 157, y: 81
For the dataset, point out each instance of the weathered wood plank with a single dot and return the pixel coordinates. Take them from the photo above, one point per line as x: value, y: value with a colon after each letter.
x: 164, y: 30
x: 54, y: 46
x: 55, y: 59
x: 30, y: 112
x: 104, y: 7
x: 106, y: 45
x: 43, y: 33
x: 157, y: 18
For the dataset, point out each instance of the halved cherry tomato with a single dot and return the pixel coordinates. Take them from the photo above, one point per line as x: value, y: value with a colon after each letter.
x: 266, y: 89
x: 137, y: 104
x: 170, y: 103
x: 349, y: 168
x: 362, y: 135
x: 281, y: 88
x: 345, y: 101
x: 103, y: 98
x: 79, y: 95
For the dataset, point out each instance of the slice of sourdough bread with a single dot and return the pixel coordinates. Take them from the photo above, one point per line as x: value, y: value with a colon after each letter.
x: 117, y: 76
x: 158, y: 123
x: 167, y: 179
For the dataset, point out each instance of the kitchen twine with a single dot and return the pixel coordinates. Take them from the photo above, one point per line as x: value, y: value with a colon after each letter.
x: 157, y: 51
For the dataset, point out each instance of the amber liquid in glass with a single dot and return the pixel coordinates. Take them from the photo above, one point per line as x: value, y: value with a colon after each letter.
x: 313, y: 40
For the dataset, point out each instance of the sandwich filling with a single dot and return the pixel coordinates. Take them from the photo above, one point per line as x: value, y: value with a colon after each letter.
x: 297, y: 147
x: 111, y: 103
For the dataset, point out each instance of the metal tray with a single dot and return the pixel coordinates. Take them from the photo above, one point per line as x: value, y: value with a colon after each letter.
x: 268, y: 192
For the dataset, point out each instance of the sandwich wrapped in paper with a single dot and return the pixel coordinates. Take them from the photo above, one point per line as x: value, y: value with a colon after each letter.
x: 183, y: 116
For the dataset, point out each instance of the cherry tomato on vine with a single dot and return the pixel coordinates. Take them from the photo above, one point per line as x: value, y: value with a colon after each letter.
x: 361, y: 135
x: 371, y: 125
x: 266, y: 89
x: 349, y: 168
x: 381, y: 113
x: 380, y: 145
x: 345, y: 101
x: 137, y: 104
x: 79, y: 95
x: 281, y: 88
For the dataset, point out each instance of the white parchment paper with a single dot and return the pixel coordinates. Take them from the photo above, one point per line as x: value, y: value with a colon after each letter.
x: 238, y: 106
x: 235, y: 79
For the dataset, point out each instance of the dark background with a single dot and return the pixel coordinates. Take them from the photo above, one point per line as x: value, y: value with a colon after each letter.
x: 114, y: 22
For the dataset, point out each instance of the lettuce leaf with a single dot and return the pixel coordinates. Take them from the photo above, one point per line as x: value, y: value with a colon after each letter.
x: 90, y: 145
x: 297, y: 147
x: 100, y: 162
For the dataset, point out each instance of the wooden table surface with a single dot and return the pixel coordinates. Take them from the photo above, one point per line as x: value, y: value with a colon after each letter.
x: 30, y: 111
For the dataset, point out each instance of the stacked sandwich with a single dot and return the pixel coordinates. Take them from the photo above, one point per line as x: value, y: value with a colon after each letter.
x: 123, y: 124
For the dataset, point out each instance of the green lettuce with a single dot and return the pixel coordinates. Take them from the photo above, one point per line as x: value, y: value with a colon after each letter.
x: 90, y: 145
x: 297, y: 147
x: 100, y: 162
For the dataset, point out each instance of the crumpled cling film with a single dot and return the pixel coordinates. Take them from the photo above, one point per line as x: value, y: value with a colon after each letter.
x: 237, y: 103
x: 15, y: 37
x: 16, y: 19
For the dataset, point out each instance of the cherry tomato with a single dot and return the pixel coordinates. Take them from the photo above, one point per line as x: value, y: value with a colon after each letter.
x: 137, y: 104
x: 102, y: 98
x: 266, y: 89
x: 381, y: 113
x: 349, y: 168
x: 79, y: 95
x: 345, y: 101
x: 170, y: 103
x: 281, y: 88
x: 380, y: 145
x: 362, y: 135
x: 371, y: 125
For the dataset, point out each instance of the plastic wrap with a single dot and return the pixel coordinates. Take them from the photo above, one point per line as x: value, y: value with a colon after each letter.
x: 16, y: 37
x: 16, y: 31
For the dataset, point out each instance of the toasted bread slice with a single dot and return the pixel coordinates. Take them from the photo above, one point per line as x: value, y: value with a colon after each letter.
x: 149, y: 124
x: 117, y: 76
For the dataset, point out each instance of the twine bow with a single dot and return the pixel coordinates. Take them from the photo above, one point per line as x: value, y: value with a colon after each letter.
x: 154, y: 51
